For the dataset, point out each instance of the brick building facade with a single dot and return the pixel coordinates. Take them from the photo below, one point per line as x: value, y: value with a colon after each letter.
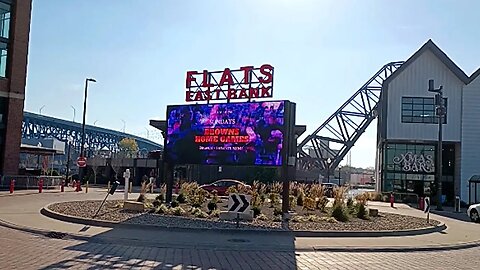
x: 14, y: 37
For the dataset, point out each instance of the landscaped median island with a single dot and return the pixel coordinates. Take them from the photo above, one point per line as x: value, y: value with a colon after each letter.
x: 195, y: 208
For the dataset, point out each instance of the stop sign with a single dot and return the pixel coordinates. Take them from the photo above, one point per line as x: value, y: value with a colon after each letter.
x: 81, y: 162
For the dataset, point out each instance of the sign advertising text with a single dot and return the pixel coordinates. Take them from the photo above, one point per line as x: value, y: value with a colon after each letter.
x: 245, y: 83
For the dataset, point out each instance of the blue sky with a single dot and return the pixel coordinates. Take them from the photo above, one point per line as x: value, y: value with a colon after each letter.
x: 139, y: 52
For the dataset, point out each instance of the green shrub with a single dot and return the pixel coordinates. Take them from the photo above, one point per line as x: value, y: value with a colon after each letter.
x: 156, y: 203
x: 256, y: 211
x: 314, y: 218
x: 329, y: 219
x: 177, y: 211
x: 339, y: 212
x: 232, y: 190
x: 200, y: 214
x: 160, y: 197
x: 196, y: 196
x: 215, y: 213
x: 309, y: 204
x: 378, y: 197
x: 298, y: 219
x: 300, y: 198
x: 162, y: 209
x: 274, y: 199
x: 361, y: 210
x: 262, y: 217
x: 212, y: 205
x: 350, y: 202
x: 292, y: 202
x: 277, y: 212
x: 322, y: 203
x: 141, y: 198
x: 277, y: 218
x: 174, y: 203
x: 181, y: 198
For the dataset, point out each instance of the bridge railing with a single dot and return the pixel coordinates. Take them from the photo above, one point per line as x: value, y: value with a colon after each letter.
x: 30, y: 182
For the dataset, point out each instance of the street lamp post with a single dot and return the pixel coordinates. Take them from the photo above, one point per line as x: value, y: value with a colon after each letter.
x: 74, y: 111
x: 328, y: 169
x: 440, y: 111
x: 339, y: 175
x: 82, y: 145
x: 40, y: 110
x: 69, y: 143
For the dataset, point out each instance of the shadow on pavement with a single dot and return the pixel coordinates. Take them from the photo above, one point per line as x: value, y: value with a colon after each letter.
x: 449, y: 213
x: 172, y: 249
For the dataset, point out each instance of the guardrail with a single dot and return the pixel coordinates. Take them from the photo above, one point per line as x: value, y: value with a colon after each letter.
x: 31, y: 182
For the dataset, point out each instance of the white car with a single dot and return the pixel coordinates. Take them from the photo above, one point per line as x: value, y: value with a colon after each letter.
x: 473, y: 212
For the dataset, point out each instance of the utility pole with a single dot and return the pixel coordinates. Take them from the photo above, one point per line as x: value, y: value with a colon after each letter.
x: 440, y: 112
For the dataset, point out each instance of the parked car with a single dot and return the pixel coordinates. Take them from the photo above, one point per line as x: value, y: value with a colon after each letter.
x: 221, y: 186
x: 329, y: 189
x: 473, y: 212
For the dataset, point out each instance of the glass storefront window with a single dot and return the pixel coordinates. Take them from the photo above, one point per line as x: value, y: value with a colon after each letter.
x: 408, y: 167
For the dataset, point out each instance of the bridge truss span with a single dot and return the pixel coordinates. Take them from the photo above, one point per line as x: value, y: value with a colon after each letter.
x: 345, y: 126
x: 40, y: 126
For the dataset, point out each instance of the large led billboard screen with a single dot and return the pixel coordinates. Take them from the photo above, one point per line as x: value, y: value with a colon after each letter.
x: 249, y: 133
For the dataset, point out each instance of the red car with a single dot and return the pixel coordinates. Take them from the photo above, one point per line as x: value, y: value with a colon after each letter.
x: 221, y: 186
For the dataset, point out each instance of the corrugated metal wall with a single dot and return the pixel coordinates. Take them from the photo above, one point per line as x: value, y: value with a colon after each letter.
x: 413, y: 82
x: 470, y: 135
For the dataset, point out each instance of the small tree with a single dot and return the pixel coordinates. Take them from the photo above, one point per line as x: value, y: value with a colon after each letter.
x: 128, y: 147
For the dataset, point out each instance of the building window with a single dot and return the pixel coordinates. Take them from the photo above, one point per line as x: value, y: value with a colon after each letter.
x: 420, y: 110
x: 4, y: 19
x: 3, y: 59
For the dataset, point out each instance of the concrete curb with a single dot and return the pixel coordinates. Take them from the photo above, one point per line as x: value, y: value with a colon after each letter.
x: 102, y: 223
x: 457, y: 246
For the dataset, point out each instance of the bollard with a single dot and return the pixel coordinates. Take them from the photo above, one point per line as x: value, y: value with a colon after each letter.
x: 40, y: 186
x: 62, y: 186
x: 392, y: 199
x: 130, y: 188
x: 12, y: 186
x: 78, y: 187
x: 86, y: 188
x: 457, y: 203
x: 421, y: 203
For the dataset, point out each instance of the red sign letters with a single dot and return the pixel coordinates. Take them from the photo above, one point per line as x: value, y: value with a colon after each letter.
x: 245, y: 83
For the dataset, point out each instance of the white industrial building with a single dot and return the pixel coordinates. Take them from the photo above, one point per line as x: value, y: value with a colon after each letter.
x: 408, y: 127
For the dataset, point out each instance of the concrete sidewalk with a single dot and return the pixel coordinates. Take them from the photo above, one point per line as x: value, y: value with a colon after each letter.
x: 19, y: 211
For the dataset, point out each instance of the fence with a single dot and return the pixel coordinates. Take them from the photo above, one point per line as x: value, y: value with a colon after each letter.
x: 31, y: 182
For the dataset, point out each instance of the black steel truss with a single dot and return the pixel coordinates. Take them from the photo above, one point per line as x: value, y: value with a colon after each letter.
x: 344, y: 126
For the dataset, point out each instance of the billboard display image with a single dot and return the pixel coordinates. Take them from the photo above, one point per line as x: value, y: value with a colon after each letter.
x: 249, y: 133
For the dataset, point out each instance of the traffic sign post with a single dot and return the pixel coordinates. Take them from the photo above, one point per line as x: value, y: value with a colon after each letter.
x: 239, y: 203
x: 426, y: 208
x: 82, y: 162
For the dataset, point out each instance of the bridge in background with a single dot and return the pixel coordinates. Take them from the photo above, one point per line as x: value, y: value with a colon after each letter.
x: 39, y: 127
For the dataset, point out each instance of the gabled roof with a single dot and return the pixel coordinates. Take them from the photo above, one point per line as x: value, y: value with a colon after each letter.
x: 429, y: 45
x: 474, y: 75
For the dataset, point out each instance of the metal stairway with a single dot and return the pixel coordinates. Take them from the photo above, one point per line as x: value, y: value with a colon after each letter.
x: 344, y: 126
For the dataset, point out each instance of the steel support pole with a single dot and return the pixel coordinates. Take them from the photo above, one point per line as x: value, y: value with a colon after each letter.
x: 81, y: 171
x: 68, y: 162
x: 439, y: 158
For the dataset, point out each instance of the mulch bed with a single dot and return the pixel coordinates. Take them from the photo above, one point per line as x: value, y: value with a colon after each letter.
x: 112, y: 212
